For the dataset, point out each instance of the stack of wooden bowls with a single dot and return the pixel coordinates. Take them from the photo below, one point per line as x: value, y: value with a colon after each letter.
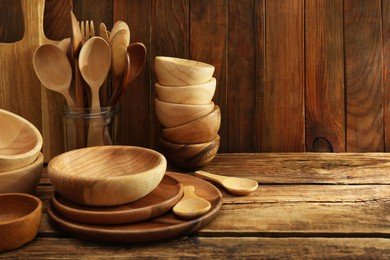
x: 189, y: 118
x: 21, y: 160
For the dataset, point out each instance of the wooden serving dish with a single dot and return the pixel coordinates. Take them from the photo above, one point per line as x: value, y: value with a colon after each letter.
x: 20, y: 141
x: 156, y: 203
x: 164, y: 227
x: 107, y: 175
x: 20, y: 219
x: 22, y: 180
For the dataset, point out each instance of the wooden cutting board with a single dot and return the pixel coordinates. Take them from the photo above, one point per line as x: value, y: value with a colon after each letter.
x: 20, y: 89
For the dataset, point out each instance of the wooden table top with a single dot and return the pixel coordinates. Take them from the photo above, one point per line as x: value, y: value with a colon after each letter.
x: 307, y: 205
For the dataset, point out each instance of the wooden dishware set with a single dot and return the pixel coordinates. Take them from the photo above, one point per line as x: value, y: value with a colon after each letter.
x: 92, y: 73
x: 21, y: 163
x: 189, y: 118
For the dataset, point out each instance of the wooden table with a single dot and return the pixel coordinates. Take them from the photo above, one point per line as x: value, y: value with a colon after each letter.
x: 307, y: 205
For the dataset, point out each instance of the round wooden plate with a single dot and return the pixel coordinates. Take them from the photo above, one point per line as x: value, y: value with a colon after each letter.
x: 156, y: 203
x: 163, y: 227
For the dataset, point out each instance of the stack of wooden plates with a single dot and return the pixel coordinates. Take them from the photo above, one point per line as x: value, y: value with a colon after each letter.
x: 147, y: 219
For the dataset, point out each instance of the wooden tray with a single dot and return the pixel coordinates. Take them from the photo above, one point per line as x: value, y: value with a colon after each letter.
x: 156, y: 203
x: 164, y: 227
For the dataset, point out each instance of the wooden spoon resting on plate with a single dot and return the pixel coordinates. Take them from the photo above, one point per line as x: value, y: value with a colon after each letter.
x: 236, y: 186
x: 191, y: 205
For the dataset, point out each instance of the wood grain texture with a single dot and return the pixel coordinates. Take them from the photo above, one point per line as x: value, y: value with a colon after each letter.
x: 297, y: 218
x: 325, y: 129
x: 363, y: 61
x: 386, y: 70
x: 283, y: 94
x: 246, y: 49
x: 208, y: 43
x: 136, y: 111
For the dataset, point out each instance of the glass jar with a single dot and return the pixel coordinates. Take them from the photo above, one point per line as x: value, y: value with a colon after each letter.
x: 85, y: 127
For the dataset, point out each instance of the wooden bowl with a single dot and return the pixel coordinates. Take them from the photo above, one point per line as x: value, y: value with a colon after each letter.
x: 20, y: 141
x: 190, y: 156
x: 172, y: 71
x: 173, y: 114
x: 106, y: 175
x: 22, y: 180
x: 192, y: 94
x: 20, y: 219
x: 201, y: 130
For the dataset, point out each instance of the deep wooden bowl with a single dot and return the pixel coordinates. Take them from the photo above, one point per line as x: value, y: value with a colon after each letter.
x: 173, y: 114
x: 172, y: 71
x: 201, y: 130
x: 192, y: 94
x: 20, y: 141
x: 22, y: 180
x: 106, y: 175
x: 20, y: 219
x: 190, y: 156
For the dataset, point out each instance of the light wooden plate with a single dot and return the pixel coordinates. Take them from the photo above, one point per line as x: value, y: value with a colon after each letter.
x: 164, y: 227
x: 156, y: 203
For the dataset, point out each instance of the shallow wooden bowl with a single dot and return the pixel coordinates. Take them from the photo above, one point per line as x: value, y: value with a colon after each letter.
x: 172, y: 71
x: 192, y: 94
x: 201, y: 130
x: 106, y: 175
x: 22, y: 180
x: 20, y: 219
x: 190, y: 156
x: 20, y: 141
x: 174, y: 114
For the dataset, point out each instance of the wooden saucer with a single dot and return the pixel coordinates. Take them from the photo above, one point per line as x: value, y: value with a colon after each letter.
x: 156, y: 203
x: 164, y: 227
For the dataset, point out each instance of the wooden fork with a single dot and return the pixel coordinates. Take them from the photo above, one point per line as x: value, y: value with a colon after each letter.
x: 87, y: 30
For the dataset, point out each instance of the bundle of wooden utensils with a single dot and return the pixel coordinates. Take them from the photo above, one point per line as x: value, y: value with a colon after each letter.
x: 190, y: 120
x: 90, y: 71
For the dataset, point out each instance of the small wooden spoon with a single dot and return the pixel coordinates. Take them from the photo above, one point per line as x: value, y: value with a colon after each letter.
x: 53, y: 70
x: 191, y: 205
x: 236, y: 186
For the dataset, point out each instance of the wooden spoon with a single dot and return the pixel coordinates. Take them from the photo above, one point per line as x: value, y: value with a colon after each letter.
x: 191, y: 205
x: 136, y: 57
x: 94, y: 64
x: 119, y: 25
x: 118, y: 46
x: 53, y: 70
x: 236, y: 186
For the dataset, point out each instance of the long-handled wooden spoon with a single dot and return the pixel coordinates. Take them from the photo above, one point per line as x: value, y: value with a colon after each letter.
x: 94, y: 63
x: 191, y: 205
x: 236, y: 186
x: 53, y: 70
x: 136, y: 57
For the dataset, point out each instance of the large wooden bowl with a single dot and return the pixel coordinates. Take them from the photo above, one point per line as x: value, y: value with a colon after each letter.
x: 20, y: 219
x: 173, y: 114
x: 22, y: 180
x: 172, y: 71
x: 106, y: 175
x: 201, y: 130
x: 20, y: 141
x: 192, y: 94
x: 190, y: 156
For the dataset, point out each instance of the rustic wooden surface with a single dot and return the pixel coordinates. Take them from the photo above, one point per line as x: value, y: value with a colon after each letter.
x: 313, y: 205
x: 292, y: 75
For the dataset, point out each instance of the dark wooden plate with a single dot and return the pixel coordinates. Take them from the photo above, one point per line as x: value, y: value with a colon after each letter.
x: 156, y: 203
x: 163, y: 227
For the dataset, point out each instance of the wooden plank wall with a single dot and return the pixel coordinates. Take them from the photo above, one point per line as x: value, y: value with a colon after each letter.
x: 292, y: 75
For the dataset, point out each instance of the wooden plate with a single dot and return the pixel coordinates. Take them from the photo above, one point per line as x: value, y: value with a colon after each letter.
x: 156, y: 203
x: 163, y: 227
